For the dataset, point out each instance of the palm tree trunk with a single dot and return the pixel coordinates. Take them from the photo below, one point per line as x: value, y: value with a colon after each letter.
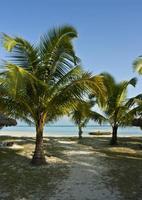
x: 80, y: 132
x: 39, y: 157
x: 114, y: 135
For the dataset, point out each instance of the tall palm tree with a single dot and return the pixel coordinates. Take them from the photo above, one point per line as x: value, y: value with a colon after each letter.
x: 117, y: 108
x: 82, y: 113
x: 136, y: 101
x: 41, y: 82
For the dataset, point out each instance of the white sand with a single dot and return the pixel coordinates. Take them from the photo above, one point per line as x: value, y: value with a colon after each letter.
x: 17, y: 133
x: 85, y: 181
x: 88, y: 178
x: 14, y: 146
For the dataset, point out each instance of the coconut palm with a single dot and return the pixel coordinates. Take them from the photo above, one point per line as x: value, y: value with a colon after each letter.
x: 136, y: 104
x: 137, y: 100
x: 117, y: 108
x: 43, y: 81
x: 82, y: 113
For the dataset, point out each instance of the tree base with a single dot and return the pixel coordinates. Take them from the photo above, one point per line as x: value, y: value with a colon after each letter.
x: 113, y: 142
x: 37, y: 161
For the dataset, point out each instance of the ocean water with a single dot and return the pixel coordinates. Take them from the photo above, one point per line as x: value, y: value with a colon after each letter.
x: 72, y: 130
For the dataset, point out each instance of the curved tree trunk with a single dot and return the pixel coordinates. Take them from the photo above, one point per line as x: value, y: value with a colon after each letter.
x: 80, y: 132
x: 39, y: 157
x: 114, y: 135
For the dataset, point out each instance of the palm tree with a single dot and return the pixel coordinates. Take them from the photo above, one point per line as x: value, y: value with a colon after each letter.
x: 41, y: 82
x: 82, y: 113
x: 117, y: 108
x: 136, y: 101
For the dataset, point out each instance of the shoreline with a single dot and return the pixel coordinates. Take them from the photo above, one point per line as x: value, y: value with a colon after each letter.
x: 58, y: 135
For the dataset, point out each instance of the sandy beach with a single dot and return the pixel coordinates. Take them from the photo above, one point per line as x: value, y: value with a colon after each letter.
x: 71, y: 100
x: 89, y: 165
x: 33, y: 134
x: 17, y: 134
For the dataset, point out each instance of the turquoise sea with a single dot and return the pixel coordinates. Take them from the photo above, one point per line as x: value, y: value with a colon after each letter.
x: 70, y: 130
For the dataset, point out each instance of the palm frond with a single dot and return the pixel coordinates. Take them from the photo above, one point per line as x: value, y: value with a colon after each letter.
x: 22, y: 52
x: 97, y: 117
x: 134, y: 100
x: 56, y: 50
x: 8, y: 42
x: 137, y: 65
x: 123, y: 89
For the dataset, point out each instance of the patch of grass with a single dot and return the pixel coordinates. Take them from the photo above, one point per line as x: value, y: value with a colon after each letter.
x: 122, y: 163
x: 20, y: 180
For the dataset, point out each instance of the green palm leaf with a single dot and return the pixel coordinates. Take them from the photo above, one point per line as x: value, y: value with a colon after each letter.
x: 137, y: 65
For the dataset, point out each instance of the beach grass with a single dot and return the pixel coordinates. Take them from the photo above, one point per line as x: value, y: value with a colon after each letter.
x: 120, y: 166
x: 19, y: 179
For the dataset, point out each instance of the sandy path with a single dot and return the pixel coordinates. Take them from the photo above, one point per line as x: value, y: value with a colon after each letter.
x: 87, y: 179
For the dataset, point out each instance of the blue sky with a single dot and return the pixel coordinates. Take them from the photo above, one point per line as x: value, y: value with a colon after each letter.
x: 109, y: 31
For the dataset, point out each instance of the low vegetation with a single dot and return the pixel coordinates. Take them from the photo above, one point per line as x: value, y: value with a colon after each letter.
x: 118, y: 167
x: 21, y: 180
